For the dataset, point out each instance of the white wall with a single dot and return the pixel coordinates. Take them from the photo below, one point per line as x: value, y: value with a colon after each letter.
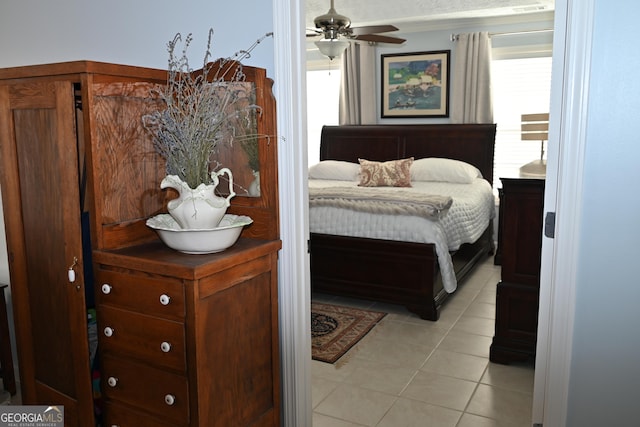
x: 605, y: 375
x: 128, y: 32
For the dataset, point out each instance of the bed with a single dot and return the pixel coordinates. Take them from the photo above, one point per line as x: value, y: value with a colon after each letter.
x: 396, y: 270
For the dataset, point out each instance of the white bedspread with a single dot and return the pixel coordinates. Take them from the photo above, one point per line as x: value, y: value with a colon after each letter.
x: 472, y: 209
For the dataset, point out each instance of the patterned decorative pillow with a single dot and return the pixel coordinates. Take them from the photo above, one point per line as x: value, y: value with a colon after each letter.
x: 394, y: 173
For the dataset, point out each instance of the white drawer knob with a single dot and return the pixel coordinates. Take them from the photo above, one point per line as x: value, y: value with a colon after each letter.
x: 165, y: 299
x: 112, y: 381
x: 108, y: 331
x: 165, y: 347
x: 106, y: 289
x: 170, y: 399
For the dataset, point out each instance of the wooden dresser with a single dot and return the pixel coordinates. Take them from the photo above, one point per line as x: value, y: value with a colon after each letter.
x: 520, y: 242
x: 184, y: 340
x: 189, y: 340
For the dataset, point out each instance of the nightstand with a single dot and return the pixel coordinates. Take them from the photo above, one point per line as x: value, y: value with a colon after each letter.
x: 520, y: 237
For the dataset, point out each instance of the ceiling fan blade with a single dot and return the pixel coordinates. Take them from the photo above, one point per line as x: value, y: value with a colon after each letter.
x: 313, y: 32
x: 376, y: 38
x: 372, y: 29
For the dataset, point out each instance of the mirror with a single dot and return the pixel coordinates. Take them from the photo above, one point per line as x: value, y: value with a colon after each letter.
x: 239, y: 150
x: 257, y: 154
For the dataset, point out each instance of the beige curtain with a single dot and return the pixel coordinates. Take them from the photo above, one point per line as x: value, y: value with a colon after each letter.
x: 357, y: 85
x: 471, y: 83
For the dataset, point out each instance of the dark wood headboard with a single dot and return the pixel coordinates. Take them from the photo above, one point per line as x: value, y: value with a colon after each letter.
x: 471, y: 143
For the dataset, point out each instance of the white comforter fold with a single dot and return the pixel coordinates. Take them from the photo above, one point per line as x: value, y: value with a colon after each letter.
x: 472, y: 208
x: 381, y: 200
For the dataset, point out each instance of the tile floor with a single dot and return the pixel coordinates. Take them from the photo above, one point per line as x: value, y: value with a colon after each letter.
x: 412, y: 372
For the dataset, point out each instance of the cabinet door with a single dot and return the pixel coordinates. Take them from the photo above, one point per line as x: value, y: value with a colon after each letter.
x: 40, y: 193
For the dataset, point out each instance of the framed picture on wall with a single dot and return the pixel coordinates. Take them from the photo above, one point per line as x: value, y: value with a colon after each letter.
x: 415, y: 84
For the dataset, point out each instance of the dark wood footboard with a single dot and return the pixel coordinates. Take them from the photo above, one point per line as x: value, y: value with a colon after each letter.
x: 381, y: 270
x: 388, y: 271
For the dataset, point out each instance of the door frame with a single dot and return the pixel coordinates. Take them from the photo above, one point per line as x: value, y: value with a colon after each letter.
x: 565, y: 160
x: 293, y: 269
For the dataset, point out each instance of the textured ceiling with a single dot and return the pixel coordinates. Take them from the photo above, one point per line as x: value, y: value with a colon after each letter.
x: 404, y: 14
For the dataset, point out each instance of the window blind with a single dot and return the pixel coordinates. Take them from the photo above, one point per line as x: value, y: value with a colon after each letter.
x: 519, y: 86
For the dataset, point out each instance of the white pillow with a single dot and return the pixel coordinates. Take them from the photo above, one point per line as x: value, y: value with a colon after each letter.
x: 444, y: 170
x: 334, y: 169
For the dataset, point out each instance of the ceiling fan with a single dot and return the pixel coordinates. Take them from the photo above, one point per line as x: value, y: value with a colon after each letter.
x: 336, y: 30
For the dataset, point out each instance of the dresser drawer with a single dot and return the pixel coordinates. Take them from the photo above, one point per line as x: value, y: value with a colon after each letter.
x: 155, y: 340
x: 157, y: 391
x: 150, y: 296
x: 118, y: 415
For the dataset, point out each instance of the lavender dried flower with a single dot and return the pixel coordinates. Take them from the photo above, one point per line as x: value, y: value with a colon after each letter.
x: 202, y: 108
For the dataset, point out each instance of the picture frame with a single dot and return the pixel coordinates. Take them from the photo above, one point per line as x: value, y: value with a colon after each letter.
x: 415, y: 84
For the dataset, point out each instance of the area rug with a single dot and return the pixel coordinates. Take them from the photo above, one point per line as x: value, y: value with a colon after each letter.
x: 335, y: 329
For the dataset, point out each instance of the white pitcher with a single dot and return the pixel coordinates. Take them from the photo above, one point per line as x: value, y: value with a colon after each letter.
x: 199, y: 208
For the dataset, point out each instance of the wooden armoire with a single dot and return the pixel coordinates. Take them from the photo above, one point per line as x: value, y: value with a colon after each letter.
x: 183, y: 340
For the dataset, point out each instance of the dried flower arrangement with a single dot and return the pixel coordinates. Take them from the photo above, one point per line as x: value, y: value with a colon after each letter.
x: 202, y: 108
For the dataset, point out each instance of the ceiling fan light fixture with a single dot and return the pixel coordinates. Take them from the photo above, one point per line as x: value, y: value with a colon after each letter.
x: 332, y: 47
x: 332, y: 19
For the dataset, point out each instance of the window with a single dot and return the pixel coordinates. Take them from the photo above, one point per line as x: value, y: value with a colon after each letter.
x: 323, y: 93
x: 520, y: 86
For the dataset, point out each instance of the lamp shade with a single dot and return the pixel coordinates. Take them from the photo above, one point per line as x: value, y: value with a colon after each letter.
x: 332, y: 47
x: 535, y: 127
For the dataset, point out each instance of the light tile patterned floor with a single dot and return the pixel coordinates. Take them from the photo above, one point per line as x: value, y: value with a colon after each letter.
x: 412, y: 372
